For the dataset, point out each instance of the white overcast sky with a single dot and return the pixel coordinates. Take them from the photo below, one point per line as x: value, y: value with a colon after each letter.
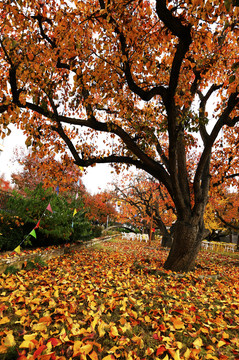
x: 96, y: 179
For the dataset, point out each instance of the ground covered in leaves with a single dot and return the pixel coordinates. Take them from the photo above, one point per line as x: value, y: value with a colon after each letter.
x: 115, y: 301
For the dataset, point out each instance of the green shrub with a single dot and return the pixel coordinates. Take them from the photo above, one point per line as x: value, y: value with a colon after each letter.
x: 11, y: 269
x: 96, y: 231
x: 39, y: 261
x: 55, y: 228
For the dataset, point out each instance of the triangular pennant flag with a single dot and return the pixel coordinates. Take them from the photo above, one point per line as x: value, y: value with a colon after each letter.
x: 17, y: 249
x: 75, y: 212
x: 37, y: 225
x: 81, y: 168
x: 49, y: 208
x: 76, y: 196
x: 33, y: 233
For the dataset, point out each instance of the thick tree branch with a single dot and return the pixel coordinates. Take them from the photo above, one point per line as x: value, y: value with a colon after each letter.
x: 136, y: 89
x: 183, y: 32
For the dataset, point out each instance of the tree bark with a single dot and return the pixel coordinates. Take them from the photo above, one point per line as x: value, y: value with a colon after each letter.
x: 166, y: 241
x: 187, y: 238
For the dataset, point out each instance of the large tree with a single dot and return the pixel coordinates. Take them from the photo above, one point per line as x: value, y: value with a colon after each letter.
x: 141, y: 72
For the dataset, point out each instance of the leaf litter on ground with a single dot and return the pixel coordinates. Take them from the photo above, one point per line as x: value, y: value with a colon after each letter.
x: 115, y: 301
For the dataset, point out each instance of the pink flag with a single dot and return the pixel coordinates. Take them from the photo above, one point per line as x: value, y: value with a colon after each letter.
x: 49, y: 208
x: 76, y: 196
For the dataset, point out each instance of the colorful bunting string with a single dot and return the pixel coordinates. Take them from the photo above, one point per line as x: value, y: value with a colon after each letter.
x: 33, y: 232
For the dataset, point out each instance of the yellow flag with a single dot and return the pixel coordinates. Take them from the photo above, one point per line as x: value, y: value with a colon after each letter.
x: 17, y: 249
x: 81, y: 168
x: 75, y: 212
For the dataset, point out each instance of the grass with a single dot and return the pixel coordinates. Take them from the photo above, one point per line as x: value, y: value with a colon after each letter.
x: 115, y: 301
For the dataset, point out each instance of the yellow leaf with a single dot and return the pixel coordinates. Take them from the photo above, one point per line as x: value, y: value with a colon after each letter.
x: 21, y: 312
x: 187, y: 353
x: 93, y: 355
x: 86, y: 349
x: 166, y: 357
x: 28, y: 344
x: 30, y: 336
x: 39, y: 327
x: 221, y: 343
x: 95, y: 322
x: 179, y: 345
x: 198, y: 343
x: 63, y: 336
x: 149, y: 351
x: 178, y: 324
x: 9, y: 340
x: 76, y: 348
x: 147, y: 319
x: 225, y: 335
x: 109, y: 357
x: 209, y: 356
x: 101, y: 328
x: 175, y: 354
x: 204, y: 330
x: 139, y: 341
x: 114, y: 331
x: 36, y: 301
x: 4, y: 320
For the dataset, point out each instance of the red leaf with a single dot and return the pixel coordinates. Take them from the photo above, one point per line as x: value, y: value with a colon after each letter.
x: 39, y: 351
x: 160, y: 350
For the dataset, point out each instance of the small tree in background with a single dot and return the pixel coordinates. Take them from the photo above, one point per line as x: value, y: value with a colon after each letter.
x: 144, y: 202
x: 49, y: 172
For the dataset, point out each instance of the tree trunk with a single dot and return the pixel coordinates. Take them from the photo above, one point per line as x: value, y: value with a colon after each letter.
x: 186, y: 244
x: 166, y: 241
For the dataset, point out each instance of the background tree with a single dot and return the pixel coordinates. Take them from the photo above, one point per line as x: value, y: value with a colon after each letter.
x: 5, y: 188
x: 224, y: 188
x: 135, y: 71
x: 143, y: 202
x: 101, y: 206
x: 48, y: 171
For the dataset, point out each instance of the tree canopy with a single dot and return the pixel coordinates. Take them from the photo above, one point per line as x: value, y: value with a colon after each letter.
x: 139, y: 72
